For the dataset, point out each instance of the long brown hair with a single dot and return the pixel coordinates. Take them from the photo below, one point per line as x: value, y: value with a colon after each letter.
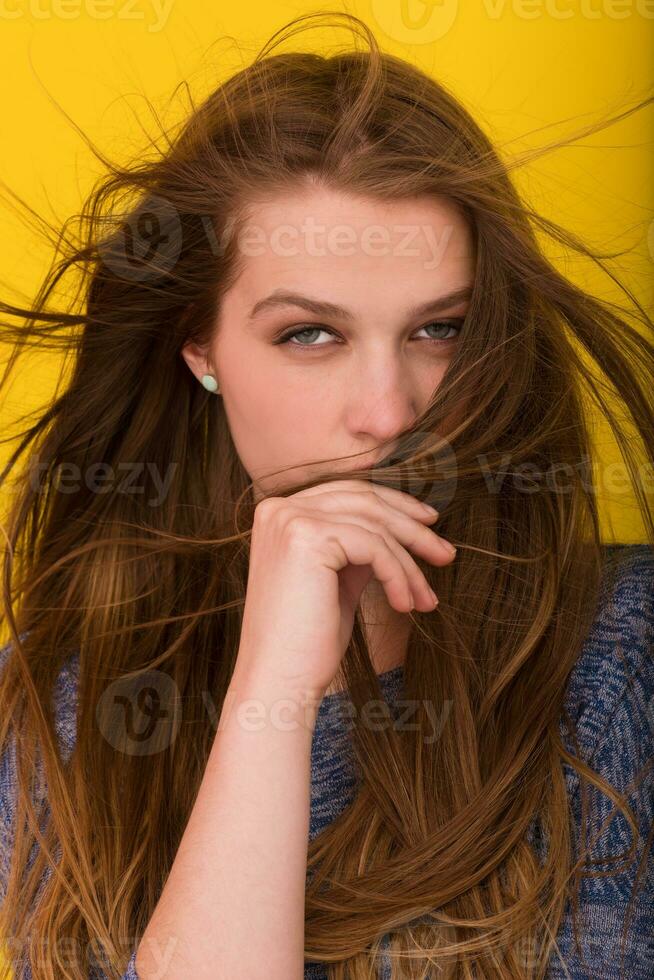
x: 150, y: 583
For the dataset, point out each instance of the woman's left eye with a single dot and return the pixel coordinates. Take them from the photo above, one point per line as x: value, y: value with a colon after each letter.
x: 444, y: 325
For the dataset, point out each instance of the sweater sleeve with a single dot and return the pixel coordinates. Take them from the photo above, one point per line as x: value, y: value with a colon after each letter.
x: 20, y: 970
x: 622, y: 752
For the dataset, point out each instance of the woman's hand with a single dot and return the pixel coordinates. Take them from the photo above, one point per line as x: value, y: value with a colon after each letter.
x: 311, y: 556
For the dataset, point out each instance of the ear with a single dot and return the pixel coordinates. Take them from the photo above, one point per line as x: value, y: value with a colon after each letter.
x: 196, y: 356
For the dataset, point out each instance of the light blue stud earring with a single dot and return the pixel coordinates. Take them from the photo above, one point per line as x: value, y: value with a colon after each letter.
x: 209, y: 382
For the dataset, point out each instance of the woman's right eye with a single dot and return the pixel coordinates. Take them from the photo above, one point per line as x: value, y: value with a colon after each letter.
x: 291, y: 334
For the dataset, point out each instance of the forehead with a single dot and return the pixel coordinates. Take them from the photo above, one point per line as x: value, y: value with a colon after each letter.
x: 332, y: 206
x: 329, y: 236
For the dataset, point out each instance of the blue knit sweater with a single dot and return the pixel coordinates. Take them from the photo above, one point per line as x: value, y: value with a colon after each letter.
x: 610, y: 702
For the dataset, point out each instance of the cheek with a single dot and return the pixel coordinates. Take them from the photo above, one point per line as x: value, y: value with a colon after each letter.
x: 275, y: 423
x: 274, y: 401
x: 296, y: 419
x: 430, y: 378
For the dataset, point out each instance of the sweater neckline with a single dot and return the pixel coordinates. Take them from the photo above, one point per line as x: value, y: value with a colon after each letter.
x: 386, y: 681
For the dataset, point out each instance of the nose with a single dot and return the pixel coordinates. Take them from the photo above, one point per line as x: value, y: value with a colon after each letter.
x: 382, y: 404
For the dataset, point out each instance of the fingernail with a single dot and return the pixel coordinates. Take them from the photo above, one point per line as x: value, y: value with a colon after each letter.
x: 434, y: 596
x: 430, y: 510
x: 450, y: 547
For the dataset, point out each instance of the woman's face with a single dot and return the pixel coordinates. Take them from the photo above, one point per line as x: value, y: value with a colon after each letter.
x: 356, y: 280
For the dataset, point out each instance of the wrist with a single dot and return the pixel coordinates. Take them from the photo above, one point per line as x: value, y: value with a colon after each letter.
x: 256, y: 692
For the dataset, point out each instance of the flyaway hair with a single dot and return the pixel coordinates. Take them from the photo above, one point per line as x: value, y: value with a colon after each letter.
x: 434, y: 849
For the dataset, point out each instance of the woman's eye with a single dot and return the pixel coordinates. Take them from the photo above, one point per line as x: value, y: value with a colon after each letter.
x: 299, y: 333
x: 443, y: 327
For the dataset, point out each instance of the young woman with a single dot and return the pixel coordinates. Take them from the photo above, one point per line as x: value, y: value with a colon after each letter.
x: 241, y: 736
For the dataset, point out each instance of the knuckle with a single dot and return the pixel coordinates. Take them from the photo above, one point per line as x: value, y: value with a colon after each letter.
x: 298, y: 527
x: 363, y: 492
x: 378, y: 506
x: 265, y: 508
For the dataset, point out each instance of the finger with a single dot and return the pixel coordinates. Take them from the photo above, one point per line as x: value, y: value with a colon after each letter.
x: 363, y: 547
x: 421, y: 591
x: 396, y: 498
x: 407, y: 528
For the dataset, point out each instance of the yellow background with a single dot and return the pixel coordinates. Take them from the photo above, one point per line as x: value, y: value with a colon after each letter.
x: 516, y: 66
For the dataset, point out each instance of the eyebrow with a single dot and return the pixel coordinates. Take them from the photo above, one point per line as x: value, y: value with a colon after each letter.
x: 282, y: 297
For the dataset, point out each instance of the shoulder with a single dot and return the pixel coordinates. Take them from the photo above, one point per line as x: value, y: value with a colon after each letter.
x: 614, y: 673
x: 611, y: 700
x: 65, y: 720
x: 65, y: 715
